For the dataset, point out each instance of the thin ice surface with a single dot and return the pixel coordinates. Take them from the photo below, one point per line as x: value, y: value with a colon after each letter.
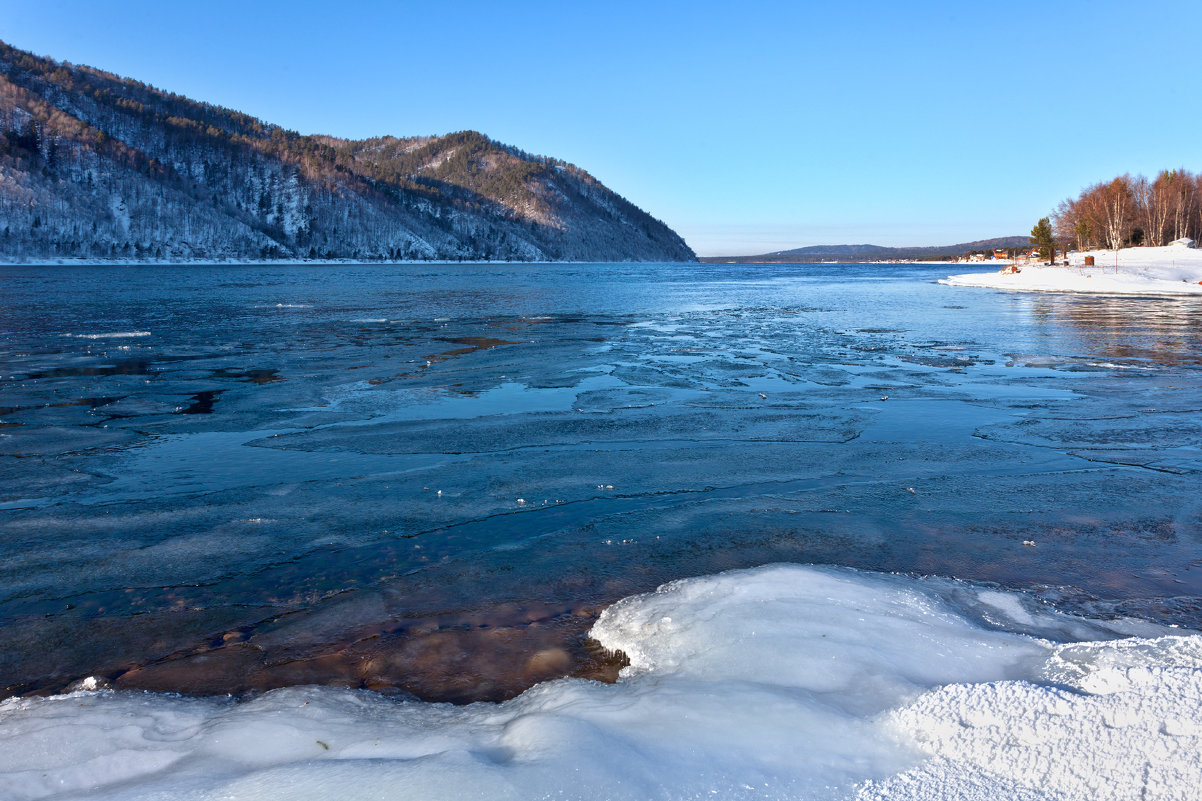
x: 433, y: 477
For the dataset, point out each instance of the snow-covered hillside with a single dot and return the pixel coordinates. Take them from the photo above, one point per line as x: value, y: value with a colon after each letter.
x: 95, y: 166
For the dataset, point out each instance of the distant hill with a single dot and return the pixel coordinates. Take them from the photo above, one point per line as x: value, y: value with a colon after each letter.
x: 851, y: 254
x: 98, y: 166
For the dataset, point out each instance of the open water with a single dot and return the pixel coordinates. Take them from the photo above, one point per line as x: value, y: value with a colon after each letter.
x: 431, y: 479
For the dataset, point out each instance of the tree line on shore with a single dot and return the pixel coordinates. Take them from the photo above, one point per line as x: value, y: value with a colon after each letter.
x: 1128, y: 211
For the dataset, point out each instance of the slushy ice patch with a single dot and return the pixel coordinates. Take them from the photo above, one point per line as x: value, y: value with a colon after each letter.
x: 778, y: 682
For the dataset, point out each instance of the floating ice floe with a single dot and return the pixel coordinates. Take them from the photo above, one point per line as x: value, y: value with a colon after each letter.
x: 110, y: 335
x: 783, y: 682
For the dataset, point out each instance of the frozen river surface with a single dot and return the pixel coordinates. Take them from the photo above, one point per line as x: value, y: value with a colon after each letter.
x: 432, y: 478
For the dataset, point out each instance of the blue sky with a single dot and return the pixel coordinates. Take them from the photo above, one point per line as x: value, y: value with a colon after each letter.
x: 747, y: 127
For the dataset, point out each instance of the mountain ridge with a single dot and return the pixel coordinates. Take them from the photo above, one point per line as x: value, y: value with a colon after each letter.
x: 813, y: 253
x: 94, y: 165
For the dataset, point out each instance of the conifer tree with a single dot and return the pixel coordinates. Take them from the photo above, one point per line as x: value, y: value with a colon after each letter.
x: 1042, y: 238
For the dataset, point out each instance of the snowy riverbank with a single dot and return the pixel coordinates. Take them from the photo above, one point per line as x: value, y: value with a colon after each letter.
x: 778, y: 682
x: 1170, y: 270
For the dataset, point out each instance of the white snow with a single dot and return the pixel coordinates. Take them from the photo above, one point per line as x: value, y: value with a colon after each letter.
x: 779, y: 682
x: 1114, y: 729
x: 1170, y: 270
x: 110, y: 335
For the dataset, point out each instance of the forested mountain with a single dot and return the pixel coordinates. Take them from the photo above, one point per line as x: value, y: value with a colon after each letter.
x: 858, y: 253
x: 95, y: 165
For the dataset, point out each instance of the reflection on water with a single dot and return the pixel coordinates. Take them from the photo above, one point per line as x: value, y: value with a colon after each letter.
x: 432, y: 478
x: 1161, y: 331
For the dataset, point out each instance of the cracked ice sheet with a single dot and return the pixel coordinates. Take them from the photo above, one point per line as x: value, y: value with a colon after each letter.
x: 876, y: 383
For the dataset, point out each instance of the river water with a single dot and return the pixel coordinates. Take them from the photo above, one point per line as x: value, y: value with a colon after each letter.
x: 431, y: 479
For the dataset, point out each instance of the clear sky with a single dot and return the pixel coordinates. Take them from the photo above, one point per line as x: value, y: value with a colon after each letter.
x: 747, y: 127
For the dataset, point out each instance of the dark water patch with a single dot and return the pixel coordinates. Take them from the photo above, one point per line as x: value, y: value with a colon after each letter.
x: 134, y: 366
x: 202, y: 402
x: 478, y: 343
x: 93, y: 403
x: 257, y: 375
x: 941, y: 361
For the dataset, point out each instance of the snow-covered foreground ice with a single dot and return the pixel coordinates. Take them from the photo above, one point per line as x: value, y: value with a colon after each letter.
x: 777, y: 682
x: 1169, y: 270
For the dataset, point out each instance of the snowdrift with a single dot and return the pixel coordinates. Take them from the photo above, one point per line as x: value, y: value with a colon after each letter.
x: 779, y: 682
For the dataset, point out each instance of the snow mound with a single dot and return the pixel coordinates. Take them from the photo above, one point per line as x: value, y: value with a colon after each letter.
x: 1109, y: 732
x: 780, y: 682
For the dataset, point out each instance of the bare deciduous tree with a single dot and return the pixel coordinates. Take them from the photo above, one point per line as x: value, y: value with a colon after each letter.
x: 1183, y: 189
x: 1159, y: 204
x: 1117, y: 205
x: 1132, y: 210
x: 1141, y: 204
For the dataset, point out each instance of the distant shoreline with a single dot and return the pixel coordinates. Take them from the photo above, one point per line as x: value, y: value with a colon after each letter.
x: 878, y: 254
x: 832, y: 262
